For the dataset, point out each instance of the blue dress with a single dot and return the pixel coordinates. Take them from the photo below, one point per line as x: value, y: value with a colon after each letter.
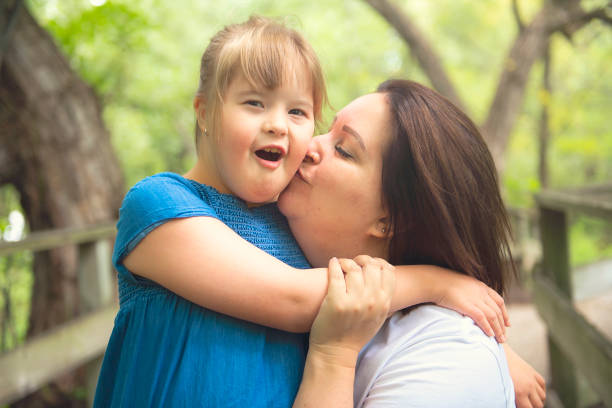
x: 165, y: 351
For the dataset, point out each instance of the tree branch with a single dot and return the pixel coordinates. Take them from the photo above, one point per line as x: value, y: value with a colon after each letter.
x: 528, y: 47
x: 582, y: 19
x: 517, y: 15
x: 424, y: 52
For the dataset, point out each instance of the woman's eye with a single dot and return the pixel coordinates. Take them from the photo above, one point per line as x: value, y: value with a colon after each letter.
x: 298, y: 112
x: 343, y: 152
x: 255, y: 103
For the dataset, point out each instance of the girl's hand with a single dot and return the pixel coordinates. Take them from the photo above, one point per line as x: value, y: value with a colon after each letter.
x: 355, y: 307
x: 476, y: 300
x: 529, y: 385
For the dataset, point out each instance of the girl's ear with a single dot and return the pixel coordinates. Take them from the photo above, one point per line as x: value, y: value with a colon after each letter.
x: 199, y: 106
x: 381, y: 229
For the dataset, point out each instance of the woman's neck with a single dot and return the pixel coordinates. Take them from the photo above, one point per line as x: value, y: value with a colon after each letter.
x: 320, y: 246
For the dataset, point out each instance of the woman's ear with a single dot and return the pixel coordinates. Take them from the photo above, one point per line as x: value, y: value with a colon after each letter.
x: 381, y: 229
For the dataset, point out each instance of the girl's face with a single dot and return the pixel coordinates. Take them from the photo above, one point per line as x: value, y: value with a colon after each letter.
x: 264, y: 134
x: 334, y: 202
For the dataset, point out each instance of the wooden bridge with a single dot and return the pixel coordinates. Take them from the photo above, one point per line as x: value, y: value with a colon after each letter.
x: 576, y: 348
x: 574, y: 343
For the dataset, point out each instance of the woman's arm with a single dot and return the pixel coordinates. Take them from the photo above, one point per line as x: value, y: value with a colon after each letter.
x: 355, y: 307
x: 204, y: 261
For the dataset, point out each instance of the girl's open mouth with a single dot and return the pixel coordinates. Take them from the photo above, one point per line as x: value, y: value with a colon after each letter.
x: 272, y: 154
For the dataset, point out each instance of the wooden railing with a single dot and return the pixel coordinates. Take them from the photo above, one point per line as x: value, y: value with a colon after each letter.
x: 80, y: 341
x: 573, y: 342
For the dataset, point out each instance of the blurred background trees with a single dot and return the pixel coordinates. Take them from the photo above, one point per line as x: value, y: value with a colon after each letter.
x: 534, y: 74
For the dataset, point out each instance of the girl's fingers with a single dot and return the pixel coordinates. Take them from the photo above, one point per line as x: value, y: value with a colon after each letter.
x: 524, y: 402
x: 535, y: 400
x: 541, y: 381
x: 495, y: 325
x: 541, y: 389
x: 481, y: 320
x: 335, y: 278
x: 499, y: 325
x: 354, y: 276
x: 501, y: 304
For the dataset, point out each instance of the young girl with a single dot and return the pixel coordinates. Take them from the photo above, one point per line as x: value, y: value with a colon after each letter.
x: 192, y: 251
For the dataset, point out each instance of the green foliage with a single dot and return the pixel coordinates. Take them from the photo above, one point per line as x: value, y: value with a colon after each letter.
x: 15, y: 280
x: 142, y: 58
x: 590, y: 240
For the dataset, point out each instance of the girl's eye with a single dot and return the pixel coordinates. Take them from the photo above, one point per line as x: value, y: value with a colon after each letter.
x: 255, y: 103
x: 298, y: 112
x: 343, y: 152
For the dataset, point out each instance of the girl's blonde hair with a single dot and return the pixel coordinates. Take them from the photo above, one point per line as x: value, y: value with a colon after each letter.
x: 268, y: 54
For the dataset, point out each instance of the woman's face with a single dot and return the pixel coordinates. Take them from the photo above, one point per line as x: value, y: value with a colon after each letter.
x: 334, y: 202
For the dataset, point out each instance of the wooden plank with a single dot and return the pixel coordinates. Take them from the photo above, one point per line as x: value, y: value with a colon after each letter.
x: 586, y: 348
x: 26, y: 369
x: 95, y: 292
x: 42, y: 240
x: 95, y: 275
x: 555, y: 249
x: 563, y: 374
x: 595, y: 202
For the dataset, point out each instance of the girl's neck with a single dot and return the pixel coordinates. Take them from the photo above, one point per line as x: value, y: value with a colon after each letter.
x: 204, y: 173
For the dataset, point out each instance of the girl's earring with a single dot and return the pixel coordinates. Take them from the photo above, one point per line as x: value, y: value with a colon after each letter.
x: 205, y: 132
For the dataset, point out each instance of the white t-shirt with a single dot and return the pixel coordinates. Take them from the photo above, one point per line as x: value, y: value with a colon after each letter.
x: 432, y: 357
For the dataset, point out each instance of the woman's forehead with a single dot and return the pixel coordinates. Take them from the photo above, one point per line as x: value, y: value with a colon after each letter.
x: 369, y: 114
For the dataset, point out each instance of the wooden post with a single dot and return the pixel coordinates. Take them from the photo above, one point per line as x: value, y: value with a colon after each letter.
x: 555, y: 265
x: 95, y: 291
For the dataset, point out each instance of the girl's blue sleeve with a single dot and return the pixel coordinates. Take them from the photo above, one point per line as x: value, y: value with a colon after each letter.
x: 151, y: 202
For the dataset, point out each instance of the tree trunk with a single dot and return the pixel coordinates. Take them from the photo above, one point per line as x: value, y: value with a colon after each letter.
x: 420, y: 47
x: 528, y: 47
x: 544, y: 127
x: 55, y: 150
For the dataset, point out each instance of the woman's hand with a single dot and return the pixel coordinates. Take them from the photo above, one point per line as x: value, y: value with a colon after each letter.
x: 476, y: 300
x: 356, y: 305
x: 529, y: 385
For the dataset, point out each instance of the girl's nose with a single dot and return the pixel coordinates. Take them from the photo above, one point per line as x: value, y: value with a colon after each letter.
x: 275, y: 124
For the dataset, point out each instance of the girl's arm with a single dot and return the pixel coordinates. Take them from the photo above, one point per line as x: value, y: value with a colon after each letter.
x: 204, y: 261
x: 529, y: 385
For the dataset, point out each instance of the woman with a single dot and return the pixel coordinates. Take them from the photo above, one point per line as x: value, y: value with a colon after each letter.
x: 440, y: 205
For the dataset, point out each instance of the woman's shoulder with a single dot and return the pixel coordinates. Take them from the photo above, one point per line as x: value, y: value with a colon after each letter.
x: 435, y: 323
x: 437, y: 347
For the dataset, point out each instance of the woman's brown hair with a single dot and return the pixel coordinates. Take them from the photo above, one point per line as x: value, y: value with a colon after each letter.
x: 440, y: 187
